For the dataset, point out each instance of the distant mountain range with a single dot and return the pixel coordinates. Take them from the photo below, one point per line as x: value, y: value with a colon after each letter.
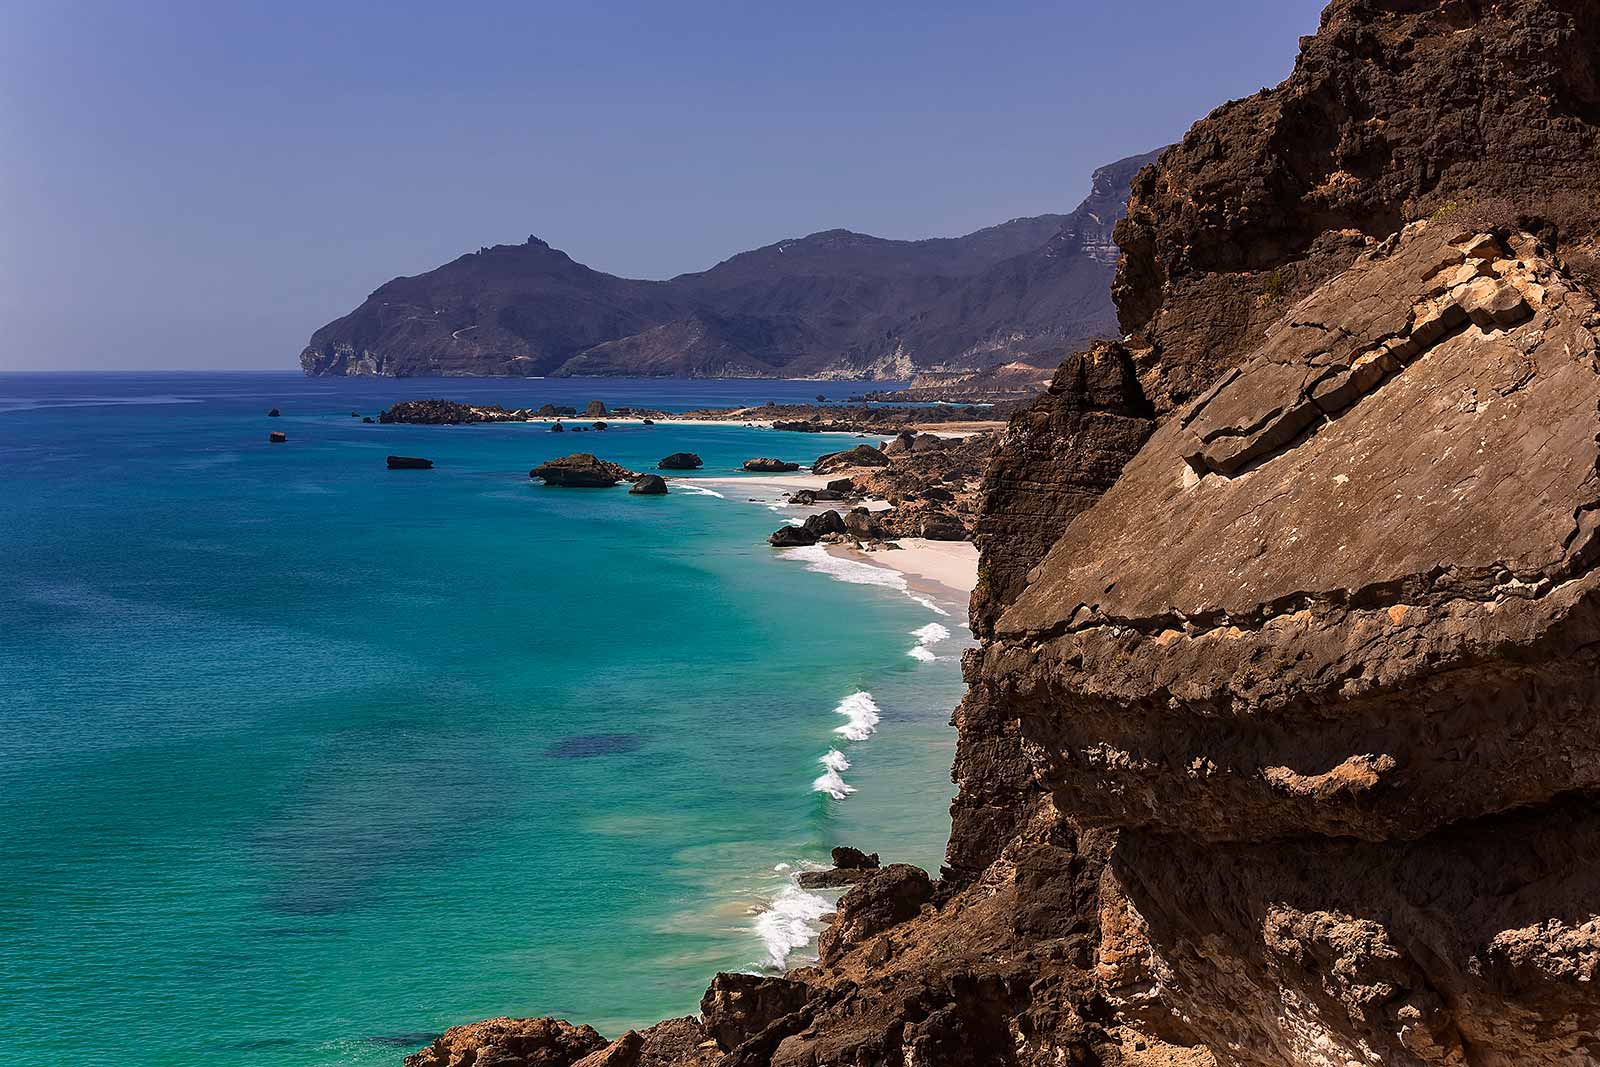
x: 835, y: 304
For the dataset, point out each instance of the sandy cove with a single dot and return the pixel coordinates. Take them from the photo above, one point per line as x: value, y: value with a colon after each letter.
x: 951, y: 565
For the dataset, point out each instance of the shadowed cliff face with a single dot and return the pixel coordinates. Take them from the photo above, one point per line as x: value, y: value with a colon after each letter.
x: 833, y: 304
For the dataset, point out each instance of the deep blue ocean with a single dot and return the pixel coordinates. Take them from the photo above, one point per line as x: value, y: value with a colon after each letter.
x: 303, y: 760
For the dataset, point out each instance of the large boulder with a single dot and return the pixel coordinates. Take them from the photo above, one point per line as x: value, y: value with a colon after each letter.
x: 791, y: 537
x: 680, y: 461
x: 506, y: 1042
x: 737, y: 1007
x: 859, y: 456
x: 649, y: 485
x: 674, y: 1043
x: 582, y: 470
x: 893, y: 895
x: 770, y: 466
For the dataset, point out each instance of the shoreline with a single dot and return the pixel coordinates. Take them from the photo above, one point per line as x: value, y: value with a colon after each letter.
x: 948, y: 568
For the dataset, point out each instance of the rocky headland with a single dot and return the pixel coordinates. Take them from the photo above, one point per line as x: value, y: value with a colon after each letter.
x: 1279, y: 747
x: 1026, y: 285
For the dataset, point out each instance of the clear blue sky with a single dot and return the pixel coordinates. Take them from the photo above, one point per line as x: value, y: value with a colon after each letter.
x: 194, y: 185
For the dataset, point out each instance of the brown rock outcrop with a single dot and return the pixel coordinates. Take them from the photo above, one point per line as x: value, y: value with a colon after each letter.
x: 1396, y: 110
x: 510, y: 1043
x: 770, y: 466
x: 859, y: 456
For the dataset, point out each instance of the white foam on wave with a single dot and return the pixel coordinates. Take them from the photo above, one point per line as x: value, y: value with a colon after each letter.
x: 833, y: 784
x: 790, y: 922
x: 818, y: 560
x: 929, y: 604
x: 862, y: 715
x: 690, y: 487
x: 832, y: 780
x: 927, y: 636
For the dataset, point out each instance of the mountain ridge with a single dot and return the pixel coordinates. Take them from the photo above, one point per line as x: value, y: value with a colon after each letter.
x: 831, y: 304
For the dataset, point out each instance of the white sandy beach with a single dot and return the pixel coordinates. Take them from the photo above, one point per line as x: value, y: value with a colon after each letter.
x: 952, y: 564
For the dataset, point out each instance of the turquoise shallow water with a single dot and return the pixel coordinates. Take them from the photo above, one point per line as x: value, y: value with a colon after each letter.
x: 302, y: 760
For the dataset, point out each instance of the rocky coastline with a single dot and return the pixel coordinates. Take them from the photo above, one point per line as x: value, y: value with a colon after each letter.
x: 1279, y: 745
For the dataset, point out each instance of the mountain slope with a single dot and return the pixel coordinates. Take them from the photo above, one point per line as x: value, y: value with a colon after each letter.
x: 832, y: 304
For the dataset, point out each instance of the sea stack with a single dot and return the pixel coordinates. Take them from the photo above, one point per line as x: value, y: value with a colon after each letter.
x: 649, y: 485
x: 277, y: 437
x: 582, y: 470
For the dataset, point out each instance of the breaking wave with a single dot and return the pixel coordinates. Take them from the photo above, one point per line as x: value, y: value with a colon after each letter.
x: 862, y: 716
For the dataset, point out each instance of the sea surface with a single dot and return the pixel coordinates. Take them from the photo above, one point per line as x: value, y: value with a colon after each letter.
x: 303, y: 760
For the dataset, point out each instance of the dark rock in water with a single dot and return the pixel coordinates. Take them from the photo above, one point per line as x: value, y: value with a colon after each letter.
x: 890, y: 897
x: 850, y: 866
x: 588, y: 746
x: 582, y: 470
x: 599, y: 425
x: 355, y: 414
x: 410, y: 463
x: 770, y: 466
x: 510, y: 1043
x: 277, y: 437
x: 556, y: 427
x: 821, y: 398
x: 680, y: 461
x: 859, y: 456
x: 552, y: 411
x: 367, y: 418
x: 649, y: 422
x: 274, y: 413
x: 737, y: 1007
x: 831, y: 879
x: 791, y: 537
x: 650, y: 485
x: 436, y: 412
x: 593, y: 409
x: 853, y: 859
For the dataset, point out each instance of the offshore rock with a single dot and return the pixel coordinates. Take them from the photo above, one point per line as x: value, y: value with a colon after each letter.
x: 680, y: 461
x: 649, y: 485
x: 409, y: 463
x: 582, y: 470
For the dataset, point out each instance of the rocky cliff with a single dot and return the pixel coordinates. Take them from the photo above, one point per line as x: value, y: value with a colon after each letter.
x: 1280, y: 747
x: 834, y: 304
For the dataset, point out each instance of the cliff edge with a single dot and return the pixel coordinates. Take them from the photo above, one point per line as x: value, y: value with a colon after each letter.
x: 1280, y: 745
